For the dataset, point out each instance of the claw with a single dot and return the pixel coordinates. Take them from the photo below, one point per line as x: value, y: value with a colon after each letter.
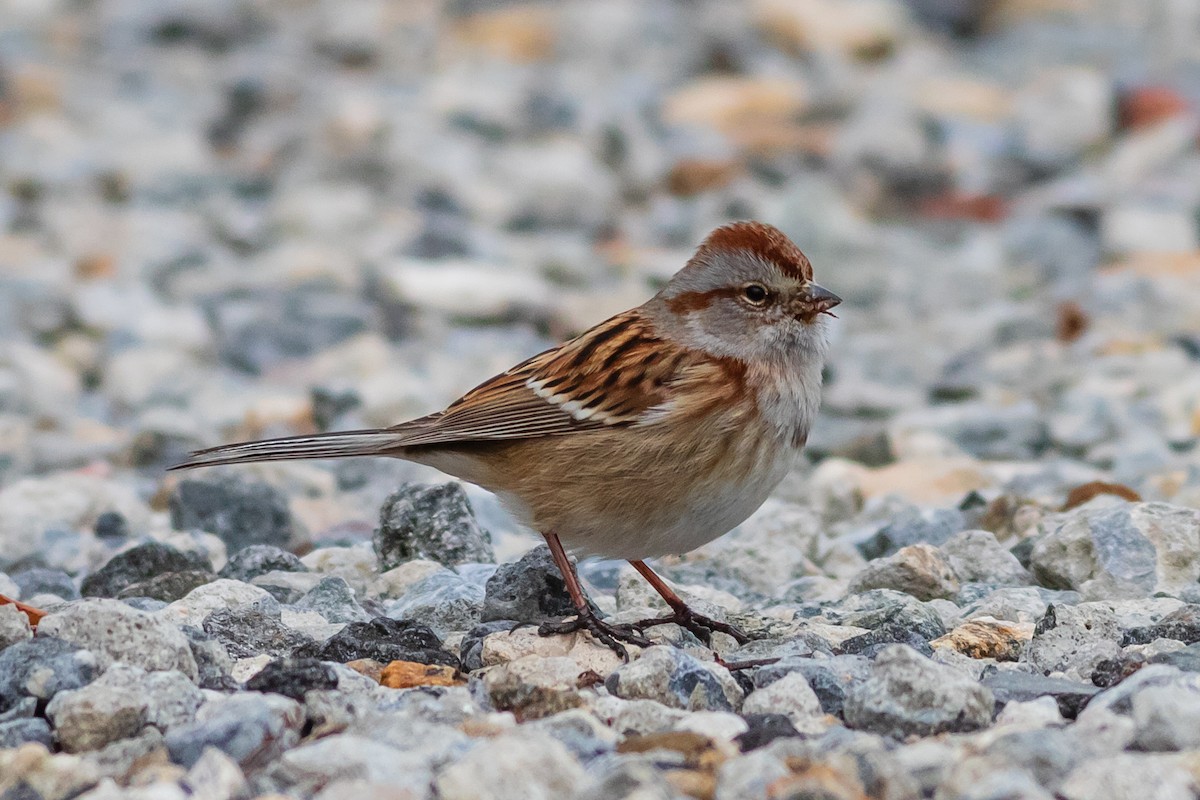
x: 606, y: 633
x: 701, y: 626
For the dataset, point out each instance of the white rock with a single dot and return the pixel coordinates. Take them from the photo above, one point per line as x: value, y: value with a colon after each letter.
x: 790, y: 695
x: 515, y: 766
x: 221, y: 593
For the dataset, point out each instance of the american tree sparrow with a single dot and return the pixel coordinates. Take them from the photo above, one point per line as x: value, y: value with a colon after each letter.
x: 652, y: 433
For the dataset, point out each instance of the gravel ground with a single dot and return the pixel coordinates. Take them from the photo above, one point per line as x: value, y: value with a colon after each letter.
x: 223, y: 219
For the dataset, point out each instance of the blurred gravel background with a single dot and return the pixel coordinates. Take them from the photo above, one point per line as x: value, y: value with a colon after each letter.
x: 226, y: 219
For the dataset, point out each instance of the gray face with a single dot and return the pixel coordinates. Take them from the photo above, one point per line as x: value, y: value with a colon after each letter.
x: 737, y: 304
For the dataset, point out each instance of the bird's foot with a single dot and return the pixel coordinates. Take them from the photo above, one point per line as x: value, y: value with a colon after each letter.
x: 703, y: 627
x: 609, y: 634
x: 35, y: 614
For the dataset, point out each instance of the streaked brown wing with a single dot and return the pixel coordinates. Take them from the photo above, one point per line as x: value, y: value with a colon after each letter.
x: 614, y: 374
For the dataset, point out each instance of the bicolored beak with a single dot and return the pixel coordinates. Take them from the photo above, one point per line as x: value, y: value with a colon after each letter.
x: 815, y: 299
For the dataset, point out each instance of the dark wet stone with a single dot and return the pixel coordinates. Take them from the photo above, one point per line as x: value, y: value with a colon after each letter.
x: 249, y: 632
x: 258, y: 559
x: 1111, y: 671
x: 530, y: 590
x: 764, y: 729
x: 240, y: 512
x: 471, y: 649
x: 292, y: 677
x: 384, y: 640
x: 869, y: 644
x: 169, y: 586
x: 433, y: 522
x: 1009, y: 686
x: 138, y: 564
x: 1182, y: 625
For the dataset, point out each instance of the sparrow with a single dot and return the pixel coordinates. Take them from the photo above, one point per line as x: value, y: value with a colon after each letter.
x: 652, y: 433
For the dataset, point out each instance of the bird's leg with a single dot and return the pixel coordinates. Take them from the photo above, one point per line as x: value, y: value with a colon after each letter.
x: 609, y: 634
x: 682, y: 615
x: 35, y: 614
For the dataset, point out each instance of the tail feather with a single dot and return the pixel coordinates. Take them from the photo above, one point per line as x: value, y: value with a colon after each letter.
x: 323, y: 445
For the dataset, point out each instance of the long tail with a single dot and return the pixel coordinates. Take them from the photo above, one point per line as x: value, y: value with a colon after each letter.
x: 322, y: 445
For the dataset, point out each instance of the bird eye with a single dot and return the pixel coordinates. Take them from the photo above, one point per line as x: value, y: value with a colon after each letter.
x: 754, y: 293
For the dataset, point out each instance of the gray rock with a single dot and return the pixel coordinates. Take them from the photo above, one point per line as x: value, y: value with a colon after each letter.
x: 533, y: 687
x: 910, y: 694
x: 90, y: 718
x: 1117, y: 551
x: 430, y: 522
x: 46, y: 581
x: 221, y: 594
x: 168, y: 587
x: 1074, y: 638
x: 880, y: 608
x: 116, y: 632
x: 444, y: 601
x: 1129, y: 776
x: 117, y: 705
x: 920, y: 570
x: 353, y: 764
x: 471, y: 649
x: 1167, y: 718
x: 1045, y: 754
x: 137, y: 564
x: 976, y: 557
x: 213, y: 663
x: 1062, y: 113
x: 240, y: 512
x: 288, y: 587
x: 14, y: 626
x: 1011, y: 686
x: 512, y: 767
x: 334, y: 600
x: 259, y: 559
x: 790, y: 695
x: 17, y: 732
x: 247, y: 632
x: 1016, y: 604
x: 581, y: 731
x: 829, y: 678
x: 42, y: 667
x: 676, y: 679
x: 215, y: 775
x: 253, y: 729
x: 167, y: 699
x: 528, y: 590
x: 914, y: 526
x: 984, y: 430
x: 627, y: 779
